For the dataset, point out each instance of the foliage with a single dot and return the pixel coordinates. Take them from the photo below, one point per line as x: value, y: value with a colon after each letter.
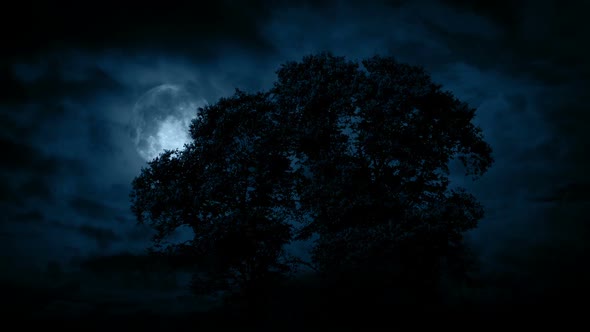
x: 357, y: 155
x: 376, y: 143
x: 231, y: 187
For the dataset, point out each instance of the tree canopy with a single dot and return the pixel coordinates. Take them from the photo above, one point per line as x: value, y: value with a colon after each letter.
x: 356, y: 154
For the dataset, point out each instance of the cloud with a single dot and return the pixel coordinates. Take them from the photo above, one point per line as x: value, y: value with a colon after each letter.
x: 68, y: 158
x: 188, y: 27
x: 23, y: 157
x: 568, y: 192
x: 51, y: 79
x: 539, y: 38
x: 11, y: 90
x: 91, y: 208
x: 28, y: 173
x: 30, y: 216
x: 104, y: 237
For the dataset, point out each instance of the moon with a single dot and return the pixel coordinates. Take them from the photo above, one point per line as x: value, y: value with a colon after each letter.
x: 161, y: 119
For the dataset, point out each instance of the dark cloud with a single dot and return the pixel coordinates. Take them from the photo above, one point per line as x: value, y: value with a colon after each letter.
x: 50, y: 80
x: 23, y: 157
x: 120, y: 262
x: 91, y: 208
x: 100, y: 137
x: 141, y: 232
x: 504, y: 12
x: 103, y: 237
x: 36, y: 187
x: 6, y: 190
x: 194, y: 27
x: 29, y: 173
x: 11, y: 89
x: 570, y: 192
x: 540, y: 38
x: 33, y: 216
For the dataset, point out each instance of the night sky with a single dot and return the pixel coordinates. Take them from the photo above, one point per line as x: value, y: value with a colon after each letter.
x: 71, y: 77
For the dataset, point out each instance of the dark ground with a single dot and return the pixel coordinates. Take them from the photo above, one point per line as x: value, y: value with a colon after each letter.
x: 307, y: 302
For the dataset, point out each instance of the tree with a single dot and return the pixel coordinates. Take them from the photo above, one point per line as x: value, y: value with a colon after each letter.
x: 357, y: 155
x: 376, y: 143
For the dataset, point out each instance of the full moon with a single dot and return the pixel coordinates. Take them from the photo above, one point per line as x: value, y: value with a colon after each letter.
x: 161, y: 119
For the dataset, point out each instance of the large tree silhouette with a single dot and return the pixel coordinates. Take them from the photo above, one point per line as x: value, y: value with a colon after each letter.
x: 355, y: 153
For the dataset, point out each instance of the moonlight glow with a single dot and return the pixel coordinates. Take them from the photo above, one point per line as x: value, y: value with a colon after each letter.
x: 161, y: 119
